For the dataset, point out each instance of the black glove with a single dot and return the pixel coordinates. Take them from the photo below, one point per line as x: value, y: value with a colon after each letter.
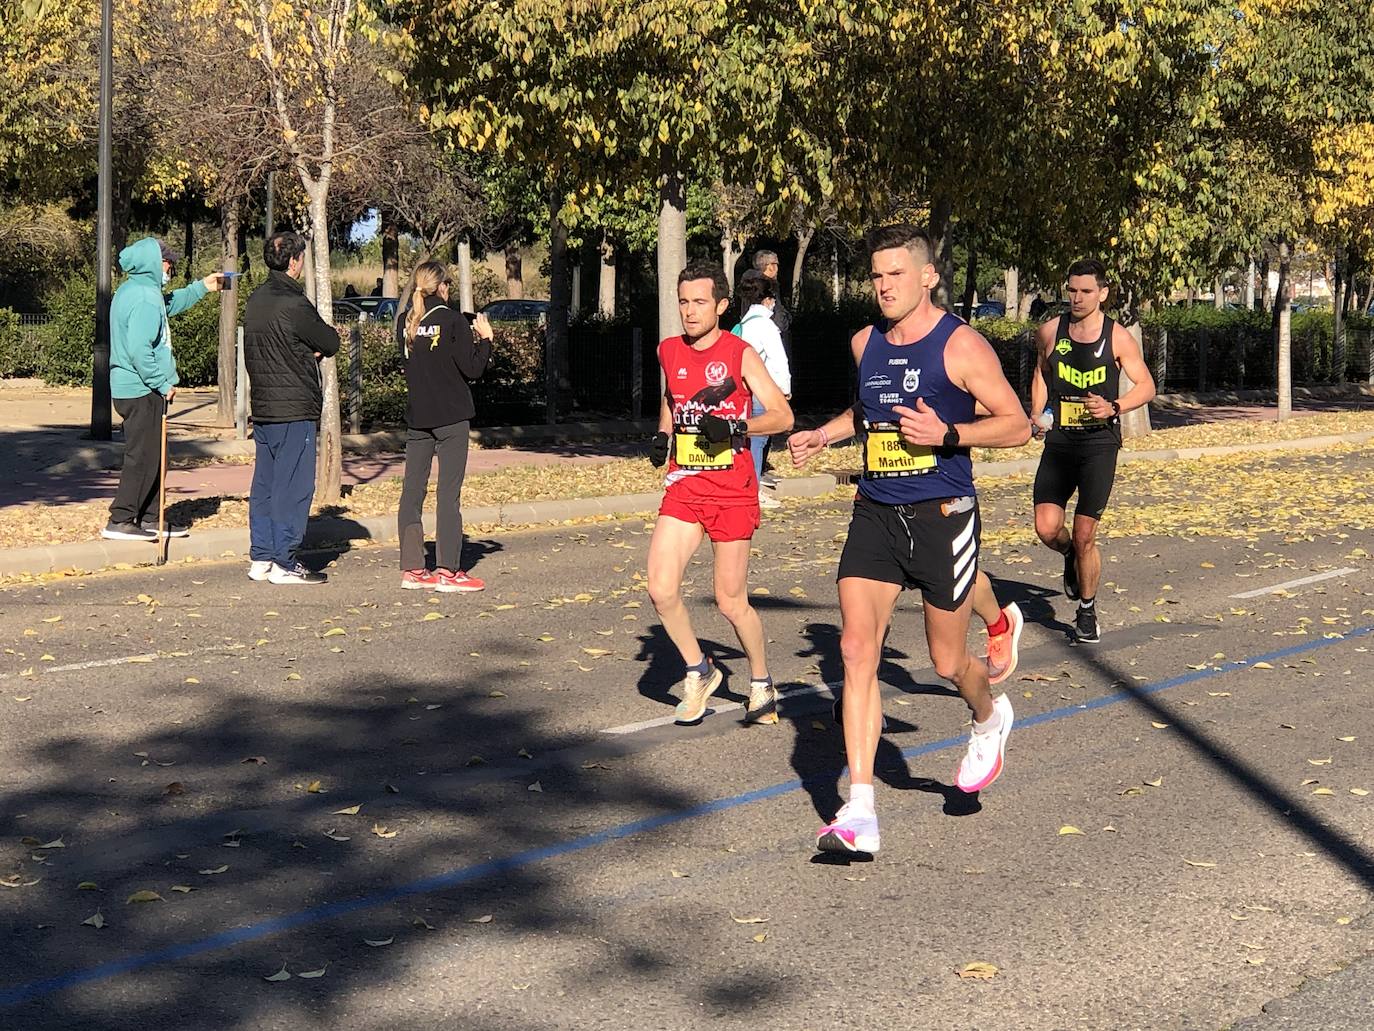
x: 718, y: 430
x: 658, y: 449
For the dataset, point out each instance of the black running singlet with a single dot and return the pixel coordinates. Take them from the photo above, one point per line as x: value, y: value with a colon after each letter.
x: 1077, y: 369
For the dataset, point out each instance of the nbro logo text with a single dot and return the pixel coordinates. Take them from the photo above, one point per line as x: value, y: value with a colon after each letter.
x: 1081, y: 379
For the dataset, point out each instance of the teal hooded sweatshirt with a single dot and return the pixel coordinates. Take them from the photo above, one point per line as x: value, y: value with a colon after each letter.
x: 141, y: 360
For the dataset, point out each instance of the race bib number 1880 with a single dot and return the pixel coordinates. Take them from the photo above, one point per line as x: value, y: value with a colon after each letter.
x: 887, y: 454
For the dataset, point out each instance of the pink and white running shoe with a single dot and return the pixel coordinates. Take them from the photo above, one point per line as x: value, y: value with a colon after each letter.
x: 854, y: 829
x: 982, y: 763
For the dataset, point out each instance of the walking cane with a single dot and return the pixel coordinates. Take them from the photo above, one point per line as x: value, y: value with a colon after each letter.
x: 163, y: 538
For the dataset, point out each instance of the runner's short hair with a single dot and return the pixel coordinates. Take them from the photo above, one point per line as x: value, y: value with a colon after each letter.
x: 702, y: 268
x: 1089, y: 267
x: 754, y: 288
x: 280, y: 248
x: 903, y: 234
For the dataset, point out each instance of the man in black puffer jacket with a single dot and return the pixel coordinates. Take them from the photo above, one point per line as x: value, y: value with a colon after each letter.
x: 284, y: 339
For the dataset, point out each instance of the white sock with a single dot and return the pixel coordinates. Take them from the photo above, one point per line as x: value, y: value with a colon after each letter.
x: 861, y: 796
x: 994, y: 722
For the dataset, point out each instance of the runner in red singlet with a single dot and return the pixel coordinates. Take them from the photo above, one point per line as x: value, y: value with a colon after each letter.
x: 712, y: 378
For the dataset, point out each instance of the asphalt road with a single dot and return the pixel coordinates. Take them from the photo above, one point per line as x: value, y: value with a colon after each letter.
x: 535, y: 845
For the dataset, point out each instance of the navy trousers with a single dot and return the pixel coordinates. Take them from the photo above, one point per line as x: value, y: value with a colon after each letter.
x: 283, y: 485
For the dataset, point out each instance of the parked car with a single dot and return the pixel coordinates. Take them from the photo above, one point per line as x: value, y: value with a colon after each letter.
x: 510, y: 309
x: 989, y: 310
x: 380, y: 309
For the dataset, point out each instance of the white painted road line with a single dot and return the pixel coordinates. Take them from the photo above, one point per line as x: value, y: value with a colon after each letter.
x: 783, y: 696
x: 1314, y: 578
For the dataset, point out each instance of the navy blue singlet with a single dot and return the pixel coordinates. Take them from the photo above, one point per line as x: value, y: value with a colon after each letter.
x: 897, y: 374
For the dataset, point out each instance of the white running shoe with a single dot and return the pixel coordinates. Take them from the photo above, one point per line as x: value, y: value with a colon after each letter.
x: 259, y: 569
x: 767, y: 500
x: 852, y: 830
x: 982, y: 763
x: 696, y: 690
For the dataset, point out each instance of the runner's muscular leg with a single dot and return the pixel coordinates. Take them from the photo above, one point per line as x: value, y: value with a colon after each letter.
x: 1088, y: 558
x: 1049, y: 527
x: 670, y: 549
x: 865, y: 610
x: 732, y: 598
x: 947, y: 636
x: 984, y: 600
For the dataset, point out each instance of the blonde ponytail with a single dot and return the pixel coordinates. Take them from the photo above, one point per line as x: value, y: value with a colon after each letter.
x: 429, y: 277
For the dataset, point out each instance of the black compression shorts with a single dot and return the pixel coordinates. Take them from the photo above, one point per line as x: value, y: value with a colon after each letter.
x: 1087, y: 466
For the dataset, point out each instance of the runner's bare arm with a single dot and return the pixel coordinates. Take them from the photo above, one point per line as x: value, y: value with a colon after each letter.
x: 971, y: 364
x: 1132, y: 363
x: 805, y: 444
x: 1040, y: 391
x: 777, y: 413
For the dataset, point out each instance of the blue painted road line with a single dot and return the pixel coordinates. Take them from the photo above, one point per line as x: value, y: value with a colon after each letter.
x: 18, y: 994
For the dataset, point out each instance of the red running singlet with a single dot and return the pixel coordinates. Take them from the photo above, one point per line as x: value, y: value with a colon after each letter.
x: 701, y: 382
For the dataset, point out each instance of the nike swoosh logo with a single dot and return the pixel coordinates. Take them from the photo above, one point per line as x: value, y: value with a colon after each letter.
x: 1100, y: 347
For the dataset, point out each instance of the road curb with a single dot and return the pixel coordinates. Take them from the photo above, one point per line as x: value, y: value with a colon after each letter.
x: 88, y: 556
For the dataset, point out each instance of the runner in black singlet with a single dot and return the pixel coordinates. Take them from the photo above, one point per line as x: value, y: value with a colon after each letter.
x: 1082, y: 355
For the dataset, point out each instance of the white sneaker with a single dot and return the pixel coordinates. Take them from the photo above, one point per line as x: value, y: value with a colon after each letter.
x: 852, y: 830
x: 982, y: 763
x: 297, y: 574
x: 767, y: 500
x: 259, y: 569
x: 696, y: 691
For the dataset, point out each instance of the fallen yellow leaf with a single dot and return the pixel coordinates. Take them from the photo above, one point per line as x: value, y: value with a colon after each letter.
x: 977, y: 971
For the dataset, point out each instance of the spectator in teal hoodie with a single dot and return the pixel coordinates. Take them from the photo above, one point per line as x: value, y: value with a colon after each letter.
x: 143, y: 378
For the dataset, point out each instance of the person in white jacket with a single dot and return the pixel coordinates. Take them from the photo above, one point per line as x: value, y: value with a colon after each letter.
x: 756, y: 296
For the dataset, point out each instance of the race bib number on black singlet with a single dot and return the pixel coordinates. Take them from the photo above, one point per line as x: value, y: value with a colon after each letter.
x: 693, y: 451
x: 1074, y: 415
x: 886, y: 454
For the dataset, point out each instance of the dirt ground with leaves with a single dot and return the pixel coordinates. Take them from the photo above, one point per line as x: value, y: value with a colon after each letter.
x: 232, y: 805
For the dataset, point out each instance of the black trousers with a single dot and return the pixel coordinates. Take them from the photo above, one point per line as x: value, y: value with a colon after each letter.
x: 138, y: 480
x: 450, y: 443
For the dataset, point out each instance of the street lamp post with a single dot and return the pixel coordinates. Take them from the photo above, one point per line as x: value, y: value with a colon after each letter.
x: 104, y: 233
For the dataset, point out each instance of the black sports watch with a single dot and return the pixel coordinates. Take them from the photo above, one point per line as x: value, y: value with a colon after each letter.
x: 951, y: 435
x: 1116, y: 408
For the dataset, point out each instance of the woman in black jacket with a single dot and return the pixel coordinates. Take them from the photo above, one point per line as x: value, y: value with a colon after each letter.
x: 440, y: 355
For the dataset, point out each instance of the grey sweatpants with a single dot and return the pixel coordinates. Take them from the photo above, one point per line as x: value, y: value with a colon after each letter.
x: 451, y: 444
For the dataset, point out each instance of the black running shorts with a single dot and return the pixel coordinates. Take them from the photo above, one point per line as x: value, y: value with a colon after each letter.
x: 932, y: 545
x: 1087, y: 466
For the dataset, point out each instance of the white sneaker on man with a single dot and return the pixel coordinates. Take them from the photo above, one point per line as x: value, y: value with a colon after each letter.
x: 259, y: 569
x: 987, y: 748
x: 767, y: 500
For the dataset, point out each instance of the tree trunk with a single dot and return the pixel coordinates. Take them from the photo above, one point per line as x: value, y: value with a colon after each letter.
x: 1135, y: 423
x: 575, y: 298
x: 672, y: 248
x: 188, y: 247
x: 1283, y: 324
x: 1250, y: 285
x: 391, y: 255
x: 731, y: 250
x: 943, y: 258
x: 1266, y: 294
x: 308, y: 271
x: 804, y: 237
x: 465, y: 274
x: 1027, y: 299
x: 556, y: 370
x: 1219, y: 293
x: 1011, y: 287
x: 605, y: 291
x: 228, y: 314
x: 1341, y: 291
x: 971, y: 278
x: 515, y: 271
x: 329, y: 456
x: 835, y: 286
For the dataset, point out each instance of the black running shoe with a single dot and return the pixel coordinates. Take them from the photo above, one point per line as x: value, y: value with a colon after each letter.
x: 1070, y: 577
x: 1088, y: 631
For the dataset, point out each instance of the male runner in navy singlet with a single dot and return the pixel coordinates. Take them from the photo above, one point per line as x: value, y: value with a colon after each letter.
x: 915, y: 522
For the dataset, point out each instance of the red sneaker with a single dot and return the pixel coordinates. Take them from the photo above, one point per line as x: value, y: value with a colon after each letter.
x: 449, y: 582
x: 420, y: 579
